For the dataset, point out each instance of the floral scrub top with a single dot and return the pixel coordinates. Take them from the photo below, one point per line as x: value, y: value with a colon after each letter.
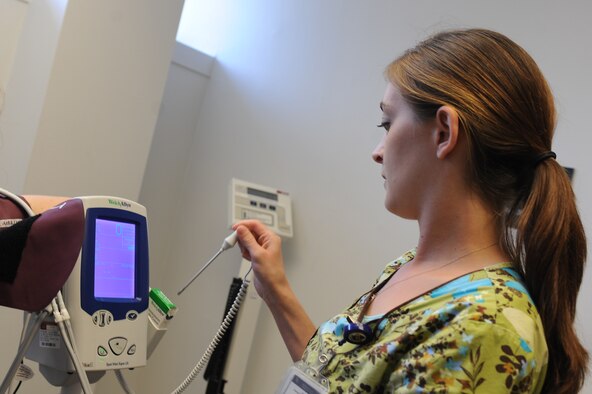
x: 479, y: 333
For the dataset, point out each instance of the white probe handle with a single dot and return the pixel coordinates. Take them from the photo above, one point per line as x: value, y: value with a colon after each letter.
x: 230, y: 241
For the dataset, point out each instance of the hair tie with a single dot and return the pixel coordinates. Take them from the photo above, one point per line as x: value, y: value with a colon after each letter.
x: 544, y: 156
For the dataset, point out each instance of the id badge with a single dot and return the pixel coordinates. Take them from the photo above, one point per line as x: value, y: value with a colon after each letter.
x: 297, y: 381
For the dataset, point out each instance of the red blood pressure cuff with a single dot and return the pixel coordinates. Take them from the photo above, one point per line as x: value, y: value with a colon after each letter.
x: 38, y: 254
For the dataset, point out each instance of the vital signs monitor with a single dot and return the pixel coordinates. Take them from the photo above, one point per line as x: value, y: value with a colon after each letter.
x: 106, y: 293
x: 99, y: 317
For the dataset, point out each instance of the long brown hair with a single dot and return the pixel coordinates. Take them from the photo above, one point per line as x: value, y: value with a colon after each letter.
x: 506, y: 111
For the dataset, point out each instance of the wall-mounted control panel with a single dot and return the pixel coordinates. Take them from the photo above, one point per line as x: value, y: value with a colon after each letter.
x: 270, y: 206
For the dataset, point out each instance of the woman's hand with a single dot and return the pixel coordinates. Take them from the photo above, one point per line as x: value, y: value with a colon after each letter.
x: 263, y: 248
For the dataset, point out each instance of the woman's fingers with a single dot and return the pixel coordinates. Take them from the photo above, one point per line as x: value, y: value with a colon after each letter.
x: 247, y: 241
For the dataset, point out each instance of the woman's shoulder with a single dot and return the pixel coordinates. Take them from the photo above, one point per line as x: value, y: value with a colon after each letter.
x: 499, y: 285
x: 394, y: 265
x: 491, y: 280
x: 490, y: 300
x: 488, y: 312
x: 495, y: 294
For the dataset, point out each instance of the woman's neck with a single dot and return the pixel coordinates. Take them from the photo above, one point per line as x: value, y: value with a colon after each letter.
x: 457, y: 226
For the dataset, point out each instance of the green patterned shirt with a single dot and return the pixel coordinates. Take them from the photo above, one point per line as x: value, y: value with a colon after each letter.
x: 479, y: 333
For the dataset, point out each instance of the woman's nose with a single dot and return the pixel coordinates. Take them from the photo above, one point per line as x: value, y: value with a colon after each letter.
x: 377, y: 154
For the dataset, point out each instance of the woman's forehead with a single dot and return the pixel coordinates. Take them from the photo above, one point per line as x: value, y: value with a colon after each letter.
x: 392, y: 97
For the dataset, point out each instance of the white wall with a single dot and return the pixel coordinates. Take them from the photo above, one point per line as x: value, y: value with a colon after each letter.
x: 292, y: 103
x: 185, y: 89
x: 27, y: 68
x: 12, y: 15
x: 103, y: 98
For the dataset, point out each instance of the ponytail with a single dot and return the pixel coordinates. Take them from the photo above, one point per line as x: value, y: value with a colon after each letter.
x: 507, y: 115
x: 549, y: 246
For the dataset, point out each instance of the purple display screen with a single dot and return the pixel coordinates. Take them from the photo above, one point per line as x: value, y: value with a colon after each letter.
x: 115, y: 259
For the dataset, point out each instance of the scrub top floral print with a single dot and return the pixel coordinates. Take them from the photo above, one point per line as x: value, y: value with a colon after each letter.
x: 479, y: 333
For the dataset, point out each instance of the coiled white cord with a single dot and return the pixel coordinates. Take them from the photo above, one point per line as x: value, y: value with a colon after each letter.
x: 228, y: 243
x: 232, y: 312
x: 217, y: 338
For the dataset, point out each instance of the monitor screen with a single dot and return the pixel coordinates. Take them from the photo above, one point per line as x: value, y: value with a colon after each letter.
x: 115, y: 259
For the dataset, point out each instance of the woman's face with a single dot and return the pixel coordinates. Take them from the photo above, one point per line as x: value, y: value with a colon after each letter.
x: 407, y: 153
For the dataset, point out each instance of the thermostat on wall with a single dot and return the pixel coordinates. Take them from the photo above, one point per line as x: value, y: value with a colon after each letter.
x: 266, y: 204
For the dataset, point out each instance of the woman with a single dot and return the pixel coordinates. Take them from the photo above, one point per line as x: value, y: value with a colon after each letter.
x: 486, y: 301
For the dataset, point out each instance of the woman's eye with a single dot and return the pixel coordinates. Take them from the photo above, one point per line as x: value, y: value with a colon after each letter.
x: 385, y: 125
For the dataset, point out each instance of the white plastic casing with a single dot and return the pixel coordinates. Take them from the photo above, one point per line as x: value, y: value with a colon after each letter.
x: 104, y: 342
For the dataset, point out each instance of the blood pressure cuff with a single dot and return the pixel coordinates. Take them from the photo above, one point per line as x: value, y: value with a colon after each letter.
x: 37, y: 254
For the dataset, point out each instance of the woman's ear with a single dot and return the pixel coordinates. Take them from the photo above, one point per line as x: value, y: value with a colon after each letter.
x: 446, y: 132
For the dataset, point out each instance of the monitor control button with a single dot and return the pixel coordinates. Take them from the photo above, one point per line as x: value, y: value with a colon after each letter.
x: 117, y: 345
x: 131, y: 315
x: 132, y: 350
x: 101, y: 351
x: 102, y: 318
